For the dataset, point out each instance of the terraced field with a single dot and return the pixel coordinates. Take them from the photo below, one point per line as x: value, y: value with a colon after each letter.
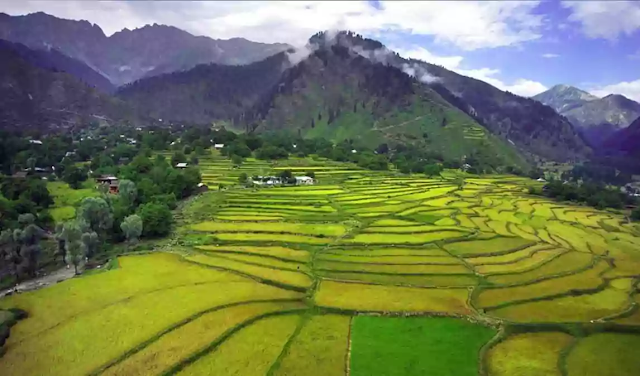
x: 320, y: 280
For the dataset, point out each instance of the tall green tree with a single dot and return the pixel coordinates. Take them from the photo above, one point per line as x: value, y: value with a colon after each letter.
x: 74, y: 176
x: 132, y: 228
x: 74, y: 247
x: 127, y: 192
x: 95, y: 211
x: 156, y: 219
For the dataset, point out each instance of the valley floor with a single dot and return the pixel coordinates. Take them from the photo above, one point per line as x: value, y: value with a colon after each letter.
x: 364, y: 273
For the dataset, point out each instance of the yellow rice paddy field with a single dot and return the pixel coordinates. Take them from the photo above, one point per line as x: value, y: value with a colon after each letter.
x: 268, y: 281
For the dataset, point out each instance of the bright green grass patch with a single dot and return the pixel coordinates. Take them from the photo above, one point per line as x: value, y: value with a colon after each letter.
x: 266, y: 261
x: 362, y: 297
x: 368, y: 200
x: 578, y: 238
x: 294, y: 228
x: 393, y: 222
x: 279, y: 252
x: 435, y: 192
x: 63, y: 213
x: 372, y: 238
x: 390, y: 260
x: 391, y: 208
x: 136, y: 275
x: 309, y: 208
x: 64, y: 195
x: 416, y: 346
x: 567, y: 262
x: 527, y: 263
x: 506, y: 258
x: 499, y: 244
x: 413, y: 229
x: 286, y: 277
x: 249, y: 352
x: 311, y: 192
x: 425, y: 250
x: 393, y: 269
x: 588, y: 279
x: 528, y: 354
x: 499, y: 228
x: 572, y: 308
x: 65, y: 199
x: 605, y: 354
x: 319, y: 349
x: 429, y: 280
x: 446, y: 222
x: 90, y: 340
x: 180, y: 343
x: 371, y: 215
x: 283, y: 238
x: 247, y: 218
x: 441, y: 202
x: 481, y: 224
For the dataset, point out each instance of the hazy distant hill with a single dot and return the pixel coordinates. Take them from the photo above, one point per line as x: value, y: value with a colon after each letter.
x: 34, y: 97
x: 130, y: 54
x: 598, y: 118
x: 54, y: 60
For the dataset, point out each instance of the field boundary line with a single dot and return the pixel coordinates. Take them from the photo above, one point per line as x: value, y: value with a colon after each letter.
x: 483, y: 361
x: 285, y: 349
x: 347, y: 356
x: 141, y: 346
x: 269, y: 282
x: 221, y: 255
x: 116, y: 303
x: 221, y: 339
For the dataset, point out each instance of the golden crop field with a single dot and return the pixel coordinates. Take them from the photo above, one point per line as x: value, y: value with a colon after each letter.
x: 269, y: 281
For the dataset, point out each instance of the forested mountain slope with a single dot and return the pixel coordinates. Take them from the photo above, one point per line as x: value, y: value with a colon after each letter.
x: 531, y: 125
x: 37, y: 98
x: 54, y: 60
x: 207, y: 92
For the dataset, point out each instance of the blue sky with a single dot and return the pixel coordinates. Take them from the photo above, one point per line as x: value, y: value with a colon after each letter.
x: 524, y: 47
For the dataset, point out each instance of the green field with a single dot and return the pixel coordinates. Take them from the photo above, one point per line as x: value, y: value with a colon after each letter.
x: 416, y: 346
x: 365, y: 273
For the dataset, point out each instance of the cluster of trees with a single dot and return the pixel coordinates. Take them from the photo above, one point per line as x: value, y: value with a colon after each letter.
x: 150, y: 188
x: 596, y: 195
x: 24, y: 196
x: 147, y: 192
x: 597, y: 173
x: 20, y: 247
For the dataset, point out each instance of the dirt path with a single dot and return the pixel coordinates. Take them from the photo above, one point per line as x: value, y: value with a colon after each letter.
x: 397, y: 125
x: 40, y: 282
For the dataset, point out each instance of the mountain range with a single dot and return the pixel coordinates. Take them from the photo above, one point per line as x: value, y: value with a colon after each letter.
x: 38, y: 94
x: 597, y: 118
x: 340, y: 86
x: 129, y: 55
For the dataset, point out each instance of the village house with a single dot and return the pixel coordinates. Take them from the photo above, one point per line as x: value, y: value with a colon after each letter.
x: 182, y: 165
x: 304, y: 180
x: 111, y: 181
x: 266, y: 180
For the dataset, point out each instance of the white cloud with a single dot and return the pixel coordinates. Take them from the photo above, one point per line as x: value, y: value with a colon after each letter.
x: 635, y: 56
x: 420, y: 53
x: 521, y: 86
x: 630, y: 89
x: 550, y: 55
x: 605, y: 19
x: 467, y: 25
